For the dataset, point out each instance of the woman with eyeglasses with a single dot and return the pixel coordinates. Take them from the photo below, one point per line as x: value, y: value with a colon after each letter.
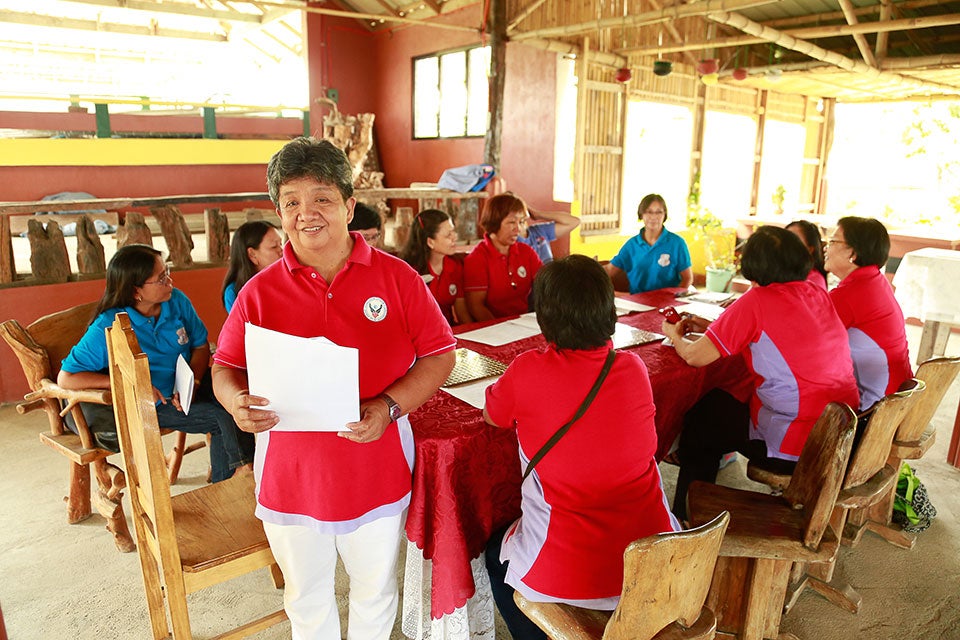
x: 866, y: 306
x: 256, y: 245
x: 499, y: 272
x: 367, y: 222
x: 656, y: 257
x: 431, y: 249
x: 167, y: 327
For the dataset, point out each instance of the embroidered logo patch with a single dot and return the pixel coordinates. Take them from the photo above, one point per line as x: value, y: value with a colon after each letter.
x: 375, y: 309
x: 182, y: 336
x: 453, y: 289
x: 664, y: 260
x: 522, y: 271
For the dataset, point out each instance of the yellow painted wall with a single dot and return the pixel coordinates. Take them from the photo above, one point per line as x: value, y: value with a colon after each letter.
x: 105, y: 152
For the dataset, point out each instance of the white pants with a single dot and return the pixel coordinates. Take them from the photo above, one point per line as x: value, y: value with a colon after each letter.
x: 308, y: 560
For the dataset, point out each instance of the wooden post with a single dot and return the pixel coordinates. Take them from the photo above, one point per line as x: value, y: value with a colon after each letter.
x: 758, y: 152
x: 217, y: 229
x: 209, y: 123
x: 103, y: 121
x: 498, y: 71
x: 7, y: 268
x: 90, y: 257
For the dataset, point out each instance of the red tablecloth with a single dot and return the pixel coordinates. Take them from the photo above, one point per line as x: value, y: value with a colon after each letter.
x: 466, y: 480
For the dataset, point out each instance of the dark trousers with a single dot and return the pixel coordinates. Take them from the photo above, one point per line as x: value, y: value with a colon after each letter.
x: 716, y: 425
x: 520, y: 626
x: 229, y: 447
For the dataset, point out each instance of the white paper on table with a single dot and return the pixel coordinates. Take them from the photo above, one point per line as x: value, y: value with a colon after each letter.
x: 473, y: 393
x: 497, y: 335
x: 629, y: 306
x: 312, y: 383
x: 528, y: 319
x: 183, y: 384
x: 710, y: 297
x: 709, y: 311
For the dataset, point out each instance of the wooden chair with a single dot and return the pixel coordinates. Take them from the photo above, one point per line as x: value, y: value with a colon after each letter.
x: 913, y: 439
x: 186, y: 542
x: 767, y: 534
x: 869, y: 478
x: 40, y: 348
x: 665, y: 581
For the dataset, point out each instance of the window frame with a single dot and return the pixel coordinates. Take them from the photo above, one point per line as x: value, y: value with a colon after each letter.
x: 439, y: 118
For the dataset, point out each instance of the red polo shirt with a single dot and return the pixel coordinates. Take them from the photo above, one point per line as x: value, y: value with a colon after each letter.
x: 507, y: 279
x: 379, y: 305
x: 447, y: 286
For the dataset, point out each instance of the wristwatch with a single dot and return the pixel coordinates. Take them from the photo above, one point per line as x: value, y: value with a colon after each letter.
x: 392, y: 407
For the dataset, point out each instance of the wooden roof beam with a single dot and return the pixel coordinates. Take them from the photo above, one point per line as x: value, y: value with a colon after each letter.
x: 883, y: 38
x: 672, y: 12
x: 741, y: 22
x: 563, y: 47
x: 378, y: 17
x: 675, y: 34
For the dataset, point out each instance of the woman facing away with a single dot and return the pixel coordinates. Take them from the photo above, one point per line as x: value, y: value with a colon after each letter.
x: 794, y: 345
x: 167, y: 327
x: 599, y: 487
x: 430, y: 250
x: 499, y: 272
x: 809, y: 235
x: 656, y: 257
x: 867, y: 308
x: 256, y: 245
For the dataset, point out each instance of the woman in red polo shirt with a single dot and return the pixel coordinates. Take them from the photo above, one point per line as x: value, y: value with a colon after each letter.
x: 499, y: 272
x: 866, y: 306
x: 430, y: 249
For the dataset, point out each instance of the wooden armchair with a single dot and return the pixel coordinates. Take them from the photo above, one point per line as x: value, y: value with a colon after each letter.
x: 40, y: 348
x: 190, y: 541
x: 914, y: 437
x: 867, y: 481
x: 665, y: 582
x: 767, y: 534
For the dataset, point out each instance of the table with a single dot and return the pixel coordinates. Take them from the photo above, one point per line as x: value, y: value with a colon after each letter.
x: 466, y: 479
x: 926, y: 283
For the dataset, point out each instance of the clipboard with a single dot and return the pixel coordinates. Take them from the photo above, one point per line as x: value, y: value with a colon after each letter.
x: 473, y: 366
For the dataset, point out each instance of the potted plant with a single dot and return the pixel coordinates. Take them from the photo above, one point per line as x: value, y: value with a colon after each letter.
x: 719, y: 244
x: 777, y: 198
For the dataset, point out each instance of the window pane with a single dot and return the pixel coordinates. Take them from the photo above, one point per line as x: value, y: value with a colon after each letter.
x: 478, y: 90
x: 726, y: 172
x: 426, y: 97
x: 781, y: 167
x: 453, y: 94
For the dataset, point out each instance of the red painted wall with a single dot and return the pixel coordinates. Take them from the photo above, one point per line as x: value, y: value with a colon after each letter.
x: 26, y: 304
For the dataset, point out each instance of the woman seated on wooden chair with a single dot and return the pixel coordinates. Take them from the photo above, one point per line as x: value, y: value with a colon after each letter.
x: 598, y: 488
x: 795, y: 346
x: 167, y: 326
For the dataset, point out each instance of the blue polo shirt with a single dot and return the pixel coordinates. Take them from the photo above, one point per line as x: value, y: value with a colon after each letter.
x: 177, y: 331
x: 229, y: 296
x: 539, y: 237
x: 655, y: 266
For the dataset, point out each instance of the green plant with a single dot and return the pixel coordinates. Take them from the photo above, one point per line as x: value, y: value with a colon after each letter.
x: 778, y: 195
x: 718, y: 243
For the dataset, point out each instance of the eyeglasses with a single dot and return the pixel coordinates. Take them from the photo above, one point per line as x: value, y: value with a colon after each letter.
x: 370, y: 237
x: 833, y: 242
x: 654, y: 212
x: 163, y: 280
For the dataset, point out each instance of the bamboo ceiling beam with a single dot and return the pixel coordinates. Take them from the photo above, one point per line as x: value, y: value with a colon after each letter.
x: 562, y: 47
x: 808, y: 33
x: 921, y: 62
x: 883, y: 38
x: 530, y: 8
x: 14, y: 17
x: 675, y: 34
x: 847, y: 7
x: 833, y: 16
x: 640, y: 19
x: 376, y: 17
x: 922, y: 46
x: 175, y: 8
x: 738, y: 21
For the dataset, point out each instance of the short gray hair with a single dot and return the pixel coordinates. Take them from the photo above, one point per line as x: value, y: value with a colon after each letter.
x: 309, y: 157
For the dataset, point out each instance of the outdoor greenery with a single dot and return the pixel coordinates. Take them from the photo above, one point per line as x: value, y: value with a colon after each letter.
x: 718, y: 243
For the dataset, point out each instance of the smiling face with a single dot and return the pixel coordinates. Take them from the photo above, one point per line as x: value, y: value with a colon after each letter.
x: 838, y: 257
x: 268, y: 251
x: 314, y: 217
x: 444, y: 241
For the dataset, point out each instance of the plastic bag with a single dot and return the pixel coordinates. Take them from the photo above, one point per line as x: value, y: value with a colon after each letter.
x: 912, y: 508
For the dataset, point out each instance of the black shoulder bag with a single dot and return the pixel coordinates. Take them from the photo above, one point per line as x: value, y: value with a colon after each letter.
x: 608, y: 363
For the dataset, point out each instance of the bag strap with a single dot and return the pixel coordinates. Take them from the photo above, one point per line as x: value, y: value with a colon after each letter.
x: 608, y: 363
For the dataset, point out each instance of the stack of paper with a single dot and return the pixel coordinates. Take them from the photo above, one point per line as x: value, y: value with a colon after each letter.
x: 497, y: 335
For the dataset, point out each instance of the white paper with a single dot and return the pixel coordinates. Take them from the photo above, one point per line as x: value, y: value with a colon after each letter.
x: 709, y: 311
x: 183, y: 384
x: 502, y: 333
x: 629, y: 306
x: 710, y: 297
x: 473, y: 393
x: 311, y: 383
